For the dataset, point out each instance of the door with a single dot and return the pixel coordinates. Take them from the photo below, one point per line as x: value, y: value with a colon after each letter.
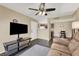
x: 34, y: 29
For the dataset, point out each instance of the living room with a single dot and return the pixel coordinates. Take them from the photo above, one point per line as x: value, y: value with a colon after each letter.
x: 41, y: 29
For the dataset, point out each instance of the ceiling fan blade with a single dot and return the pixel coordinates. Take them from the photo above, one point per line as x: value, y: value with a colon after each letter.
x: 33, y: 9
x: 50, y: 9
x: 37, y: 13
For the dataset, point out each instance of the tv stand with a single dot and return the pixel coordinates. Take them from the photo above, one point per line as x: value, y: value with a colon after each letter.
x: 13, y: 47
x: 18, y: 42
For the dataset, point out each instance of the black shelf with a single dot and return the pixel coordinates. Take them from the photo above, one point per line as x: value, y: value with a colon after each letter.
x: 19, y: 46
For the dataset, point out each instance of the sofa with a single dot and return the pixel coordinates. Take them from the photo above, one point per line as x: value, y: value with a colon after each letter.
x: 65, y: 46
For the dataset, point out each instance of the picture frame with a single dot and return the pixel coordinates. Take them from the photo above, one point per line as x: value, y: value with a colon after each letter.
x: 43, y: 26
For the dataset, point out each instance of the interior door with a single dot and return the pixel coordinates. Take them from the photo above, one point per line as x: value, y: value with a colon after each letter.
x: 34, y: 29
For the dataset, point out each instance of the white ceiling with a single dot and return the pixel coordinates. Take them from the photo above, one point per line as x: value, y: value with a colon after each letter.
x: 61, y: 9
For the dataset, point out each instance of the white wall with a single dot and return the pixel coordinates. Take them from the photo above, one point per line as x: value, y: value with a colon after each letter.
x: 63, y: 26
x: 6, y: 16
x: 44, y: 33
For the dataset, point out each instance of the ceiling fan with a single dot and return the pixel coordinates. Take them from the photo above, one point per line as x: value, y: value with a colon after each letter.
x: 42, y: 10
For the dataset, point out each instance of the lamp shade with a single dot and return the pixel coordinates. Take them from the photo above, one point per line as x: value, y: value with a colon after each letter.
x: 75, y: 25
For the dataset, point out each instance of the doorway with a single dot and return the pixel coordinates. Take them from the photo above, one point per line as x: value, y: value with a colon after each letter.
x: 34, y: 30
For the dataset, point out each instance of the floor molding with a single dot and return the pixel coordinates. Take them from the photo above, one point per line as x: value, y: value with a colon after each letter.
x: 42, y: 42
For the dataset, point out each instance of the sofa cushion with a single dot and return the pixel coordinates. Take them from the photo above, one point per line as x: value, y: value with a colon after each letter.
x: 61, y: 48
x: 62, y: 41
x: 76, y: 52
x: 73, y: 45
x: 54, y: 52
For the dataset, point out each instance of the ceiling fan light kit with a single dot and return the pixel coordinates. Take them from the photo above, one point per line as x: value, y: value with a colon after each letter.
x: 41, y: 13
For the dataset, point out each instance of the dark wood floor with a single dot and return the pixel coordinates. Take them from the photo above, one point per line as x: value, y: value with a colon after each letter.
x: 36, y: 41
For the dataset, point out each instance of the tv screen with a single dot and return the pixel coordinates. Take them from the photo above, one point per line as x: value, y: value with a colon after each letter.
x: 16, y: 28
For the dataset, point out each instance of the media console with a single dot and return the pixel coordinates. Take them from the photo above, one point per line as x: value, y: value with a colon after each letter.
x: 13, y: 47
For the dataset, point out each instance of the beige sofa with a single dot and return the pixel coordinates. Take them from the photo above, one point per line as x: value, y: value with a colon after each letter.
x: 65, y: 47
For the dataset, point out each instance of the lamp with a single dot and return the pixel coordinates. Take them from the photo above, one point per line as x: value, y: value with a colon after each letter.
x: 42, y: 13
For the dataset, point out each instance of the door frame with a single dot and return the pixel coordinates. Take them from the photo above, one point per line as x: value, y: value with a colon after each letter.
x: 34, y: 27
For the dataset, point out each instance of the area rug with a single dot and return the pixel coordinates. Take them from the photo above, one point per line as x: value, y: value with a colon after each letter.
x: 36, y: 50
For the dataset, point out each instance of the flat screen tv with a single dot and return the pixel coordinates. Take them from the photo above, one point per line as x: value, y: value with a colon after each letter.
x: 17, y: 28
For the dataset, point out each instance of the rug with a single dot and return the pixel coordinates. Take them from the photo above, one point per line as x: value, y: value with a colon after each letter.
x: 36, y: 50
